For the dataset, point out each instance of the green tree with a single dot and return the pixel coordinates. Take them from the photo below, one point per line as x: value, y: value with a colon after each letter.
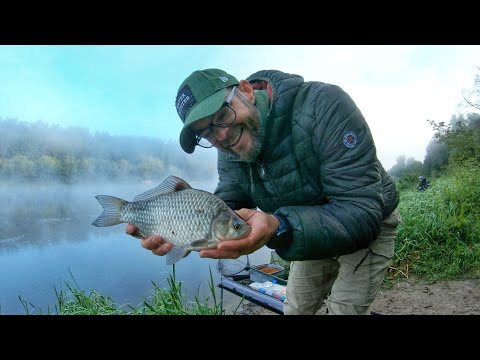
x: 399, y: 167
x: 20, y: 166
x: 151, y: 168
x: 406, y: 166
x: 67, y: 168
x: 47, y: 167
x: 462, y: 136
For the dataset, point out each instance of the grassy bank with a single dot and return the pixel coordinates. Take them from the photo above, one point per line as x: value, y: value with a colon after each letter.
x: 439, y: 238
x: 162, y: 301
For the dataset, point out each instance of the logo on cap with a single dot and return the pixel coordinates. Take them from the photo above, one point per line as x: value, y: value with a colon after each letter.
x: 184, y: 102
x: 350, y: 139
x: 223, y: 78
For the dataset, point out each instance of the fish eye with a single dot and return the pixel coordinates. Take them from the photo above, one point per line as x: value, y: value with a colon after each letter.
x: 236, y: 226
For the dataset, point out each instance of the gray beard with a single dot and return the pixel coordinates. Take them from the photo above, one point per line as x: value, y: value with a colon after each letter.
x: 254, y: 126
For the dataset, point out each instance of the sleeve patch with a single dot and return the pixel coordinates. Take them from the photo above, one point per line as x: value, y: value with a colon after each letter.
x: 350, y: 139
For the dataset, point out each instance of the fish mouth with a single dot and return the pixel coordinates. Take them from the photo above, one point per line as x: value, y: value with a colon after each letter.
x: 237, y: 140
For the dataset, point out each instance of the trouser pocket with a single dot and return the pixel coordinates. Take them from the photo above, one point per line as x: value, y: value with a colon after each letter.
x: 385, y: 243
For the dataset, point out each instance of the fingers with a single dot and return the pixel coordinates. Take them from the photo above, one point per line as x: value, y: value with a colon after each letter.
x: 134, y: 231
x: 131, y: 229
x: 228, y: 249
x: 245, y: 213
x: 235, y: 245
x: 152, y: 242
x: 163, y: 249
x: 157, y: 245
x: 220, y: 254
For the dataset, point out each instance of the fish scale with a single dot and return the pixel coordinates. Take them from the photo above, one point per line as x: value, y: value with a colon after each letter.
x: 171, y: 216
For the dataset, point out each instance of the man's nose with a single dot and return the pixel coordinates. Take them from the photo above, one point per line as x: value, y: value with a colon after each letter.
x: 220, y: 133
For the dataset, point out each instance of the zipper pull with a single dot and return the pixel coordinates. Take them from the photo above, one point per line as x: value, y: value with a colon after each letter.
x: 261, y: 170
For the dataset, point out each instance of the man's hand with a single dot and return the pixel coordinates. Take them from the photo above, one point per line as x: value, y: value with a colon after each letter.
x: 154, y: 243
x: 263, y: 226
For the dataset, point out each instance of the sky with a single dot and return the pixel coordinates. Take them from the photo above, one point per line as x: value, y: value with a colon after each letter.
x: 131, y: 89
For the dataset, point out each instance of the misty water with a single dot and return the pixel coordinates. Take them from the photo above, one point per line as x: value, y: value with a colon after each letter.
x: 47, y: 237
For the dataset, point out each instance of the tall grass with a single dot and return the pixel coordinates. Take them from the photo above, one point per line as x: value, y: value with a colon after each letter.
x: 172, y: 300
x: 439, y: 238
x: 162, y: 301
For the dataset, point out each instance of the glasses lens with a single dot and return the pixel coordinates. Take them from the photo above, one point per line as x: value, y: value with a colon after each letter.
x: 225, y: 117
x: 204, y: 142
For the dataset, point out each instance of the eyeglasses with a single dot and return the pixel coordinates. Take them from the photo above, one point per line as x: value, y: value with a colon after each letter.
x: 223, y: 118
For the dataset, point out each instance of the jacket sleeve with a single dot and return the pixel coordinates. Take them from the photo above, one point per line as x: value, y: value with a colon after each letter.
x: 349, y: 174
x: 228, y: 188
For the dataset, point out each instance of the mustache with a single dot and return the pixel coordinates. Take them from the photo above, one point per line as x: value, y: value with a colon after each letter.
x: 232, y: 136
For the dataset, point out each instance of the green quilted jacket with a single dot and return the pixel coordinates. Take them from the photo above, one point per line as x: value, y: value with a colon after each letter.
x: 318, y: 167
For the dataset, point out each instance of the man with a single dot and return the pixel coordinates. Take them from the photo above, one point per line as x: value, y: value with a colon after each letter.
x: 423, y: 184
x: 302, y: 153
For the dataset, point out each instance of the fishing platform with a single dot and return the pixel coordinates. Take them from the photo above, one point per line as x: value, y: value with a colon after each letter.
x: 263, y: 285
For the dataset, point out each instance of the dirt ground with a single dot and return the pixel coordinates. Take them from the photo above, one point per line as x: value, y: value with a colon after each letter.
x: 410, y: 297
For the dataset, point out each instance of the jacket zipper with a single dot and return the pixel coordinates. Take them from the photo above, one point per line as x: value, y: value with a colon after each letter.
x: 267, y: 182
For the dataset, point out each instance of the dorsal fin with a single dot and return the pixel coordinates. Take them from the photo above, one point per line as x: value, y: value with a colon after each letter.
x: 169, y: 185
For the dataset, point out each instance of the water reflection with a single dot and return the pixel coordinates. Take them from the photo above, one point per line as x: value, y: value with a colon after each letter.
x: 44, y: 216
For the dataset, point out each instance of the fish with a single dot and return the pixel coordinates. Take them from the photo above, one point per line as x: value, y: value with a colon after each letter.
x: 190, y: 219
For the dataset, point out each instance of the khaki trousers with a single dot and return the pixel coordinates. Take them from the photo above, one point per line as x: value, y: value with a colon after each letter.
x: 351, y: 281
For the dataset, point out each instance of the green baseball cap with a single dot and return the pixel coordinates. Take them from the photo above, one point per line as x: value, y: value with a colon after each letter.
x: 199, y: 96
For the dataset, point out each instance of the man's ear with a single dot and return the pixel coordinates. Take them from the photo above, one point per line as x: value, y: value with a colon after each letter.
x: 247, y: 90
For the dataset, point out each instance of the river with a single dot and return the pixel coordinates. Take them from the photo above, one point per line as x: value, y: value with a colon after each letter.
x: 47, y: 238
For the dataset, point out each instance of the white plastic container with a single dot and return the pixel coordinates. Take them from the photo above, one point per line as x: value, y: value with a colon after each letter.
x: 270, y: 288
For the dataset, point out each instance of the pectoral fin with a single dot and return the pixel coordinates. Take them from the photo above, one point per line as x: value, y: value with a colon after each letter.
x: 176, y: 254
x: 199, y: 244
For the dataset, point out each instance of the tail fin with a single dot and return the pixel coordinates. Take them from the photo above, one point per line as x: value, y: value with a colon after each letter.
x: 112, y: 208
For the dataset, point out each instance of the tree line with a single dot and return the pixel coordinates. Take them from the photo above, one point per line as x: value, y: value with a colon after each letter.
x: 39, y: 152
x: 454, y: 145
